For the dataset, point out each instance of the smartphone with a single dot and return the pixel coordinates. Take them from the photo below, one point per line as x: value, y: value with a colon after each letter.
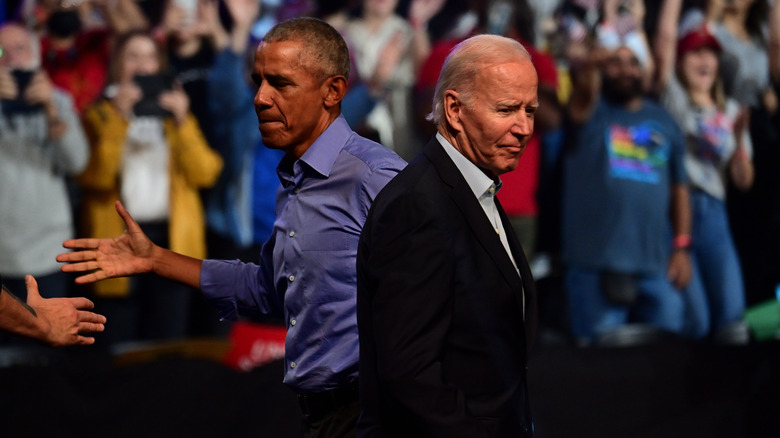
x: 19, y: 105
x: 190, y: 8
x: 151, y: 87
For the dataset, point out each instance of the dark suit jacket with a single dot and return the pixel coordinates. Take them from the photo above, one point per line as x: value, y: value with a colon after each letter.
x: 443, y: 343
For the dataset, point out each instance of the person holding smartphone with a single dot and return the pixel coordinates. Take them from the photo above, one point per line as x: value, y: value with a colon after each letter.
x: 147, y: 151
x: 41, y: 144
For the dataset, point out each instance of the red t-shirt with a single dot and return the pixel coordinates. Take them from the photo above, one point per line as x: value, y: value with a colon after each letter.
x: 81, y: 70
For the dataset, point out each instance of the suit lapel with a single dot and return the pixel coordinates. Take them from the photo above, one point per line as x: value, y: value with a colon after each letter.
x: 464, y: 198
x: 529, y: 290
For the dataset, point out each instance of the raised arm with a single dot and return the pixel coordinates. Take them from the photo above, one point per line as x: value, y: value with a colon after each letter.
x: 586, y: 64
x: 774, y: 42
x: 131, y: 253
x: 55, y: 321
x: 741, y: 168
x: 125, y: 15
x: 420, y: 13
x: 665, y: 44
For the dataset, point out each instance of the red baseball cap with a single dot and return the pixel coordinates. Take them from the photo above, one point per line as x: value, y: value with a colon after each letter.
x: 695, y: 40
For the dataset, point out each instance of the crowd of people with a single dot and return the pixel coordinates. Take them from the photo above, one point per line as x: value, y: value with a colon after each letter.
x: 648, y: 187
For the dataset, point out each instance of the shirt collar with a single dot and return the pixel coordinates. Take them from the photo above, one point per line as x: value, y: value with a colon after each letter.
x: 323, y: 152
x: 479, y: 183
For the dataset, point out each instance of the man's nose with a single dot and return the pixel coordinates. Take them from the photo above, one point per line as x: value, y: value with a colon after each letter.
x: 524, y: 124
x: 261, y: 97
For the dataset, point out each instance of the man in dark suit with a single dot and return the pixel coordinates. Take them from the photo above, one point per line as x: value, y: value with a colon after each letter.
x: 445, y: 295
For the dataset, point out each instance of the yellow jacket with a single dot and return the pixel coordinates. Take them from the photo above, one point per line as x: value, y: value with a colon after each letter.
x: 193, y: 166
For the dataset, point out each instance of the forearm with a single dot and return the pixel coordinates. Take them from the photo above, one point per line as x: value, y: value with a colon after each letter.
x: 239, y: 39
x: 18, y: 318
x: 681, y: 210
x: 421, y: 44
x: 774, y: 42
x: 587, y: 86
x: 665, y: 45
x: 741, y: 170
x: 177, y: 267
x: 126, y: 15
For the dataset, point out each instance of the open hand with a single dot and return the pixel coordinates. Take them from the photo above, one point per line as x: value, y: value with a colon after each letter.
x: 680, y: 270
x: 63, y: 320
x: 128, y: 254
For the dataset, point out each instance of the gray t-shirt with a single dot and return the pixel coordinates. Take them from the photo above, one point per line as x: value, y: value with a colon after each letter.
x: 709, y: 138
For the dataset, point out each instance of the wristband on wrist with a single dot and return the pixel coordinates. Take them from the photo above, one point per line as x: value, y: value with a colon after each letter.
x: 682, y: 241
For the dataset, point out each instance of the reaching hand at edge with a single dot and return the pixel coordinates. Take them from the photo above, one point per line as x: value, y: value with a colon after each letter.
x: 128, y: 254
x: 63, y: 320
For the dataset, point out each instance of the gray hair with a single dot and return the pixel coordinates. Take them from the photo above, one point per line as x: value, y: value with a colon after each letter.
x: 465, y: 60
x: 324, y: 48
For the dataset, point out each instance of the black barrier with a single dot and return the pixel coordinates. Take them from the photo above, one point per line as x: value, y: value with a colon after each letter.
x: 662, y: 390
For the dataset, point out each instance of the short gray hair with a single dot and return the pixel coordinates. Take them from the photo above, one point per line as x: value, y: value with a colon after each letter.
x: 324, y: 47
x: 465, y: 60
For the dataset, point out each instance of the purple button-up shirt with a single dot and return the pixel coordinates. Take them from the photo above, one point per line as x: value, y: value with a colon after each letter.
x: 307, y: 267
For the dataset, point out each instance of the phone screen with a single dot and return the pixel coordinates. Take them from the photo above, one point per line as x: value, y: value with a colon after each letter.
x: 151, y: 88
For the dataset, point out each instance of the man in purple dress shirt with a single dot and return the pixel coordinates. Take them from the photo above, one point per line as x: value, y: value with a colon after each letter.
x: 307, y: 273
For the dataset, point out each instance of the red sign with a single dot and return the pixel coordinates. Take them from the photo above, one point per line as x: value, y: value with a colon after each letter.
x: 254, y: 344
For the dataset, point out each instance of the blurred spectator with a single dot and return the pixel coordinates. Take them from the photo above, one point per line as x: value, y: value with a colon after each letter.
x: 623, y: 181
x: 76, y: 56
x: 519, y: 192
x: 718, y: 148
x: 359, y: 100
x: 544, y: 20
x: 41, y: 143
x: 240, y: 207
x: 388, y: 50
x: 148, y: 151
x: 191, y: 53
x: 755, y: 215
x: 739, y: 27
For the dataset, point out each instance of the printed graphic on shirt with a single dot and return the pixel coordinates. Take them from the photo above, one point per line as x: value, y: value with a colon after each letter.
x: 714, y: 131
x: 638, y: 153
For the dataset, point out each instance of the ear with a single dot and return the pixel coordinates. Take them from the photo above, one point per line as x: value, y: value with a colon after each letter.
x: 335, y: 87
x: 453, y: 109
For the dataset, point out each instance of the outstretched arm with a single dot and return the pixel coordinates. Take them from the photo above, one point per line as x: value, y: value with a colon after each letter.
x: 665, y: 47
x: 55, y: 321
x: 130, y: 253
